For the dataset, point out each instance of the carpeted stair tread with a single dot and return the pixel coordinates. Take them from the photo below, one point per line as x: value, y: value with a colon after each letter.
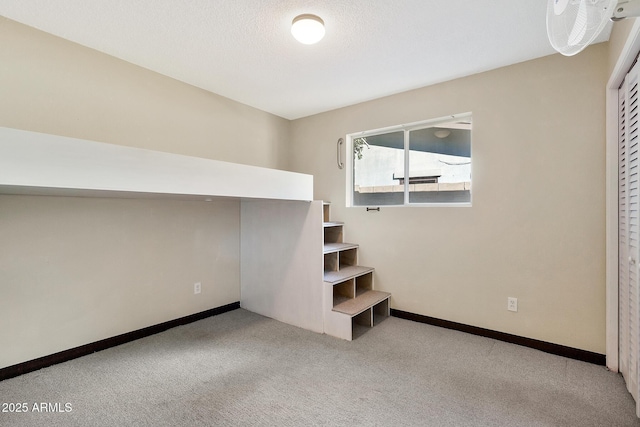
x: 346, y: 273
x: 357, y: 305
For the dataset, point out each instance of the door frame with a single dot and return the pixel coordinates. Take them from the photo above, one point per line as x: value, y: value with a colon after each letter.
x: 623, y: 64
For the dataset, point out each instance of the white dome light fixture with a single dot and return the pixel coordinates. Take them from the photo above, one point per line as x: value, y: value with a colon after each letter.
x: 442, y: 133
x: 307, y: 29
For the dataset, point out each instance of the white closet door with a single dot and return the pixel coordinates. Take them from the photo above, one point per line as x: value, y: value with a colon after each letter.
x: 623, y: 236
x: 629, y: 229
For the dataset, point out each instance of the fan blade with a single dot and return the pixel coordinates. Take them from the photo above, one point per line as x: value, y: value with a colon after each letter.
x: 559, y: 6
x: 580, y: 26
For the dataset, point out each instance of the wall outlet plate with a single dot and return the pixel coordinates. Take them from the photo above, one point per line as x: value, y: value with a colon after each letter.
x: 197, y: 287
x: 512, y: 304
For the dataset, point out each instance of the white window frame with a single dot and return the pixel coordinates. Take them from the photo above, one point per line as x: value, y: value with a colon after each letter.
x: 406, y: 128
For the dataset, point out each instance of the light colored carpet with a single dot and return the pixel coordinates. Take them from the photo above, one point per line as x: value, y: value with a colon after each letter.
x: 242, y: 369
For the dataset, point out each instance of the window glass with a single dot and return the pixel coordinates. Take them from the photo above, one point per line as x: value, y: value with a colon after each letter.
x: 440, y: 164
x: 377, y: 160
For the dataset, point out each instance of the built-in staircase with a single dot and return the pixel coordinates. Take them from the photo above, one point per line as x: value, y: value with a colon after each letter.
x: 351, y: 305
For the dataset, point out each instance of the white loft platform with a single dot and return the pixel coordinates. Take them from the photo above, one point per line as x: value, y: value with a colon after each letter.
x: 41, y: 164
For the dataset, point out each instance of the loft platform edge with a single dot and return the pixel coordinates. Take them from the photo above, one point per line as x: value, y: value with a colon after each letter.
x: 35, y: 163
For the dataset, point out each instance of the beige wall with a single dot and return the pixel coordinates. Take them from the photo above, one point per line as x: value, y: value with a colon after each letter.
x: 51, y: 85
x: 77, y: 270
x: 536, y: 229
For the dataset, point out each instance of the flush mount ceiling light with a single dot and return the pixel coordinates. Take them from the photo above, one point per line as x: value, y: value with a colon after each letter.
x: 443, y: 133
x: 307, y: 29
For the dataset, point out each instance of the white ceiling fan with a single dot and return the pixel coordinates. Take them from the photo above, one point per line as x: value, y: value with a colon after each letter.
x: 573, y: 24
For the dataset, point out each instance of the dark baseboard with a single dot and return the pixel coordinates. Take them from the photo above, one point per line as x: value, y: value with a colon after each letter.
x: 547, y: 347
x: 83, y: 350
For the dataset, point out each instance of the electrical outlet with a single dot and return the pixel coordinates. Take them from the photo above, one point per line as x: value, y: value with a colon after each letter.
x: 512, y: 304
x: 197, y: 287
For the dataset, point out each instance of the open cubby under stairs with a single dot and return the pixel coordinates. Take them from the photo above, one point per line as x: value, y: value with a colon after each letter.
x: 351, y: 303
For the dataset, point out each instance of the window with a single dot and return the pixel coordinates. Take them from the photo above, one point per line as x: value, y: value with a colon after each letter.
x: 416, y: 164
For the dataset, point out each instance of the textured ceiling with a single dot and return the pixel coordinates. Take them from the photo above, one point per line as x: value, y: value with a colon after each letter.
x: 243, y: 49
